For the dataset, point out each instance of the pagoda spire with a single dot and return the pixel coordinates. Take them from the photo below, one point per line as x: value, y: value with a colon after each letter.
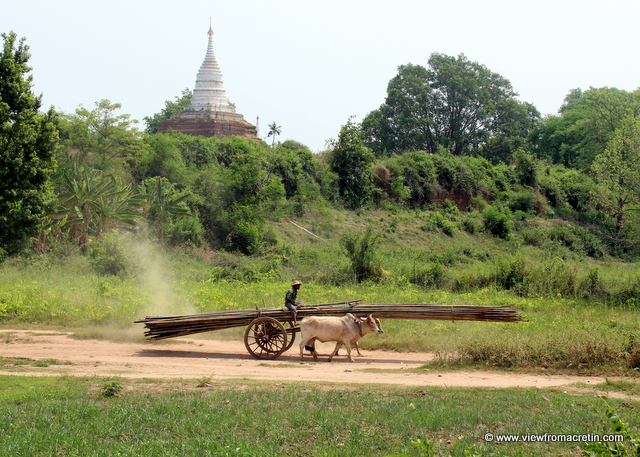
x: 209, y: 93
x: 210, y: 113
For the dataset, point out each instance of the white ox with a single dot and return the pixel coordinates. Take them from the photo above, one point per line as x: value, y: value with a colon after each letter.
x: 344, y: 330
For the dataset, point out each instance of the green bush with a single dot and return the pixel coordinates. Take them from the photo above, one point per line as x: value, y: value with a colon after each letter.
x: 524, y: 201
x: 478, y: 203
x: 361, y: 251
x: 110, y: 256
x: 185, y: 232
x: 112, y: 388
x: 533, y: 237
x: 578, y: 239
x: 440, y: 221
x: 469, y: 225
x: 432, y: 276
x: 525, y: 166
x: 497, y: 223
x: 510, y: 274
x: 415, y: 177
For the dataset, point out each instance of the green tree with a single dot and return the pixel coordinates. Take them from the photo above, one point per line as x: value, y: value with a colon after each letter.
x: 162, y: 157
x: 274, y: 131
x: 28, y: 140
x: 101, y: 131
x: 553, y: 140
x: 587, y: 121
x: 455, y: 103
x: 526, y: 168
x: 352, y: 161
x: 233, y: 196
x: 294, y: 164
x: 170, y: 108
x: 91, y: 202
x: 618, y: 169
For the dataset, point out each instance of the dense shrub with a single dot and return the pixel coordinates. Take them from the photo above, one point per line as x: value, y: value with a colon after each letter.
x: 185, y: 232
x: 442, y: 223
x: 109, y: 255
x: 578, y: 239
x: 525, y: 167
x: 524, y: 201
x: 510, y: 274
x: 578, y: 189
x: 416, y: 172
x: 533, y: 237
x: 497, y: 223
x: 431, y: 276
x: 468, y: 224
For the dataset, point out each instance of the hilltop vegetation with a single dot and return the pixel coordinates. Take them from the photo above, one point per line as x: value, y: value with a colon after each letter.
x: 451, y: 144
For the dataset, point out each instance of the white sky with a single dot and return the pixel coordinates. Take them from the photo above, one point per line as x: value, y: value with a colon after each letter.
x: 310, y: 65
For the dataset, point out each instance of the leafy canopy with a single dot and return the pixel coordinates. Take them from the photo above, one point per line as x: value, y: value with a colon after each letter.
x: 170, y: 108
x: 28, y: 141
x: 454, y: 103
x: 352, y: 161
x: 618, y: 169
x: 585, y: 125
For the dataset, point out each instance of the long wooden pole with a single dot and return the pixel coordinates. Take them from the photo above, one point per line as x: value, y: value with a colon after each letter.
x: 173, y: 326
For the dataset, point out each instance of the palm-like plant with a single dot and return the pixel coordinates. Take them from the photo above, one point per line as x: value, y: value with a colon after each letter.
x: 90, y: 202
x: 164, y: 203
x: 274, y: 130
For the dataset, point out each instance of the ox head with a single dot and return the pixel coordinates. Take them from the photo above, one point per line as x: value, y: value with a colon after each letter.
x: 374, y: 324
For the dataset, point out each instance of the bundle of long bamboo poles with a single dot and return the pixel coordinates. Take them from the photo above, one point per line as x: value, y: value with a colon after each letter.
x: 173, y: 326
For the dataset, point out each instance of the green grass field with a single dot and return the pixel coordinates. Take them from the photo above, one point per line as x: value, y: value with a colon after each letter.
x: 97, y: 417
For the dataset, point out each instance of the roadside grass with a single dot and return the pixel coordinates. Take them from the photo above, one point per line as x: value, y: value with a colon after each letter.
x: 625, y: 386
x: 104, y: 417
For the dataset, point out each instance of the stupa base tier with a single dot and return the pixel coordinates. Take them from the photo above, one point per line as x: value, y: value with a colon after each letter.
x: 210, y: 127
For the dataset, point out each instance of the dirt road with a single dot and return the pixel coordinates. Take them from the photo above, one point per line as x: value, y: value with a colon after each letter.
x: 199, y: 358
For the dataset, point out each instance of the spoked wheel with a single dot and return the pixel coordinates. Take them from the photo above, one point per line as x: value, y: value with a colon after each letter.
x: 266, y: 338
x: 291, y: 335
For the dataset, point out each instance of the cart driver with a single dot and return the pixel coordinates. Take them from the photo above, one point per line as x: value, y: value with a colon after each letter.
x: 290, y: 300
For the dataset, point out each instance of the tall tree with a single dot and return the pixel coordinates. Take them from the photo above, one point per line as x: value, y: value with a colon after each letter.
x: 101, y: 131
x: 352, y: 161
x: 455, y: 103
x: 618, y: 169
x: 274, y: 131
x: 28, y: 140
x: 585, y: 125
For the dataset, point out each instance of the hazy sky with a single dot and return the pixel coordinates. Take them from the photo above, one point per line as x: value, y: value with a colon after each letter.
x: 310, y: 65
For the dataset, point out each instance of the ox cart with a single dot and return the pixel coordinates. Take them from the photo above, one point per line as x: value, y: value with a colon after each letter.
x: 272, y: 331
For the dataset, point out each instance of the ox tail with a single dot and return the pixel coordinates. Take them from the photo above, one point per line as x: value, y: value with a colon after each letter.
x: 310, y: 348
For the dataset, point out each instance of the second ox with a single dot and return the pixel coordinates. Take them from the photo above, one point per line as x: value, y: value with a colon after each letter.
x: 343, y: 330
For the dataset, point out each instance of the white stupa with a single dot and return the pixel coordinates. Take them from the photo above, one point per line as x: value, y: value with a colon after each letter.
x: 209, y: 113
x: 209, y: 94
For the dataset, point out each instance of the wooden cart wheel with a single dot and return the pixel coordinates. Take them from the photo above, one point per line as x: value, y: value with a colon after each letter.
x: 291, y: 335
x: 265, y: 338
